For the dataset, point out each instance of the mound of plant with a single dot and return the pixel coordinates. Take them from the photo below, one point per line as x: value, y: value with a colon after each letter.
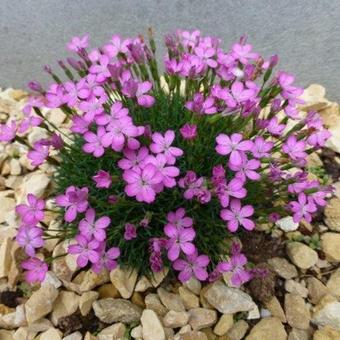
x: 165, y: 168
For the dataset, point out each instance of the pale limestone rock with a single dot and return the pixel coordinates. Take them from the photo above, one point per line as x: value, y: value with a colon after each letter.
x: 330, y: 244
x: 24, y: 333
x: 174, y: 319
x: 51, y: 278
x: 275, y: 309
x: 332, y: 214
x: 5, y: 257
x: 316, y: 290
x: 51, y: 334
x: 14, y: 320
x: 158, y: 277
x: 91, y: 280
x: 153, y: 302
x: 89, y: 336
x: 297, y: 312
x: 137, y: 332
x: 170, y: 300
x: 40, y: 325
x: 55, y: 116
x: 202, y: 318
x: 60, y: 266
x: 7, y: 205
x: 224, y: 324
x: 86, y: 300
x: 238, y: 330
x: 314, y: 97
x: 114, y: 332
x: 326, y: 333
x: 282, y: 267
x: 333, y: 284
x: 301, y: 255
x: 327, y: 313
x: 6, y: 335
x: 299, y: 334
x: 73, y: 336
x: 152, y: 326
x: 65, y: 304
x: 228, y: 300
x: 143, y: 284
x: 124, y: 280
x: 194, y: 285
x: 268, y: 329
x: 193, y: 335
x: 108, y: 290
x: 190, y: 300
x: 287, y: 224
x: 297, y: 288
x: 40, y: 303
x: 254, y: 313
x: 35, y: 183
x: 116, y: 310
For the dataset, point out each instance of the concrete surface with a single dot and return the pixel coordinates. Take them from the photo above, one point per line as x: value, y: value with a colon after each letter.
x: 305, y: 34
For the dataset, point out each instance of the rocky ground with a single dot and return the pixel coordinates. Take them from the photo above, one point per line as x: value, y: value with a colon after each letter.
x: 298, y: 300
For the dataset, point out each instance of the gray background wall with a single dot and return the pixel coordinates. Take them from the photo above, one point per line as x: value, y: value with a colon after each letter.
x: 305, y: 34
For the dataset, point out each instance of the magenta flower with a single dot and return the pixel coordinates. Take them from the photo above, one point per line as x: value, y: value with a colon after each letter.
x: 141, y: 184
x: 192, y: 184
x: 246, y: 169
x: 188, y: 131
x: 131, y: 88
x: 304, y: 207
x: 319, y: 138
x: 232, y: 189
x: 134, y: 159
x: 30, y: 238
x: 74, y: 200
x: 100, y: 69
x: 39, y: 153
x: 79, y: 125
x: 194, y: 265
x: 107, y: 260
x: 237, y: 215
x: 294, y: 148
x: 36, y: 270
x: 168, y: 172
x: 274, y: 127
x: 94, y: 229
x: 261, y: 147
x: 162, y: 144
x: 243, y: 53
x: 180, y: 239
x: 78, y: 43
x: 103, y: 179
x: 286, y: 80
x: 28, y: 122
x: 239, y: 94
x: 32, y: 213
x: 130, y: 232
x: 177, y: 219
x: 234, y: 146
x: 94, y: 142
x: 201, y: 105
x: 8, y: 131
x: 206, y: 53
x: 87, y: 251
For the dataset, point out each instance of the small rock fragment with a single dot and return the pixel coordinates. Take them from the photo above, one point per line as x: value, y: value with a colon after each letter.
x: 275, y: 309
x: 287, y: 224
x: 238, y: 331
x: 330, y: 244
x: 202, y: 318
x: 327, y: 313
x: 86, y: 300
x: 174, y: 319
x: 190, y: 300
x: 170, y: 300
x: 301, y: 255
x: 194, y: 285
x: 268, y: 329
x: 116, y: 331
x: 326, y: 333
x: 332, y: 214
x: 283, y: 268
x: 224, y: 324
x: 297, y: 312
x: 316, y: 290
x: 65, y: 304
x: 153, y: 302
x: 297, y: 288
x: 124, y: 280
x: 333, y: 284
x: 152, y: 327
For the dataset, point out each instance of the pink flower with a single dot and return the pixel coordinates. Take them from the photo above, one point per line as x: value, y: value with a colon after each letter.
x: 130, y: 232
x: 239, y: 94
x: 30, y: 238
x: 39, y: 153
x: 177, y: 219
x: 141, y: 184
x: 319, y: 138
x: 261, y: 147
x: 103, y: 179
x: 78, y: 43
x: 162, y: 144
x: 32, y: 213
x: 188, y: 131
x: 28, y: 122
x: 168, y: 172
x: 134, y: 159
x: 131, y: 88
x: 117, y: 112
x: 201, y: 105
x: 274, y: 127
x: 36, y: 270
x: 180, y: 239
x: 232, y: 189
x: 90, y: 228
x: 8, y: 131
x: 192, y: 184
x: 86, y: 251
x: 237, y: 215
x: 294, y: 148
x: 94, y: 143
x: 243, y: 53
x: 234, y: 146
x: 206, y: 53
x: 194, y: 265
x: 302, y: 208
x: 246, y: 169
x: 79, y: 125
x: 74, y: 200
x: 107, y: 260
